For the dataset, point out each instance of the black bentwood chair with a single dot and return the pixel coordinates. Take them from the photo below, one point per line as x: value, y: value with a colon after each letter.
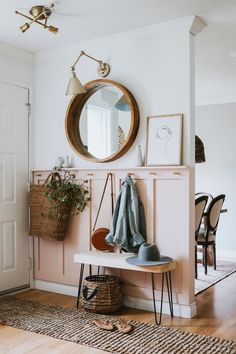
x: 200, y: 204
x: 207, y: 233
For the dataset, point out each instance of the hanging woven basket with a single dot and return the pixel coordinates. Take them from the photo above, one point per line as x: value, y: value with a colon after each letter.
x: 101, y: 294
x: 45, y: 221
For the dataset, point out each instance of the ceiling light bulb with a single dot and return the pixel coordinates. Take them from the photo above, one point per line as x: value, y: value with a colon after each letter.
x: 24, y: 27
x: 53, y: 29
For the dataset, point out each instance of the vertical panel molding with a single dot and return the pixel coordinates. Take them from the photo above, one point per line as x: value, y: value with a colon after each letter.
x: 8, y: 245
x: 165, y: 194
x: 8, y: 188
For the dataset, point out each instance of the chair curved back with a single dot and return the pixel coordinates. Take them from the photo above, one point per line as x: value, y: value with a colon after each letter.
x: 210, y: 197
x: 200, y: 204
x: 213, y: 213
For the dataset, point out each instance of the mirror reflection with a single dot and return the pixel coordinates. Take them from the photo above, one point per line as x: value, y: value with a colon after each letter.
x: 105, y: 122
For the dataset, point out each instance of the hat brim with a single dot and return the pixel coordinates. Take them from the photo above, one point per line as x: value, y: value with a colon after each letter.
x: 135, y: 261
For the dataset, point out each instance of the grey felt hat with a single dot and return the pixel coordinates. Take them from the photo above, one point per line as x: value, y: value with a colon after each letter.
x: 148, y: 255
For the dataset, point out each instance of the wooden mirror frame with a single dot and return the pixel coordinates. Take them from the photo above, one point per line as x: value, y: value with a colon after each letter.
x: 73, y: 115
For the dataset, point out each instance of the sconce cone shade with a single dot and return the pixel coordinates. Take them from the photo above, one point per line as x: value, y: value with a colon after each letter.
x: 74, y: 86
x: 122, y: 104
x: 199, y: 150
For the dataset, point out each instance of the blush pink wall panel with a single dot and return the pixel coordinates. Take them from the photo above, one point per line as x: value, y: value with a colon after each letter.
x: 165, y: 196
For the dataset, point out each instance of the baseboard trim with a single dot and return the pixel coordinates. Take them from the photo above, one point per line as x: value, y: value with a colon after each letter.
x: 56, y: 287
x: 226, y: 255
x: 15, y: 290
x: 185, y: 311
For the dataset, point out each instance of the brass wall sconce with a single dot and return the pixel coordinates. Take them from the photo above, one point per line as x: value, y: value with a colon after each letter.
x: 39, y: 14
x: 74, y: 86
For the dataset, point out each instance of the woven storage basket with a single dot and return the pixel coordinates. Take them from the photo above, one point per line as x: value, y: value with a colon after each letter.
x: 46, y: 222
x: 101, y: 294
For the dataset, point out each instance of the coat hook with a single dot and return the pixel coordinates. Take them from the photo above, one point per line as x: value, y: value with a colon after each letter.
x: 177, y: 173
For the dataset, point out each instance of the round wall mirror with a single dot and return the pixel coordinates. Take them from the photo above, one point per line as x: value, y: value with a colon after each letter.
x: 102, y: 124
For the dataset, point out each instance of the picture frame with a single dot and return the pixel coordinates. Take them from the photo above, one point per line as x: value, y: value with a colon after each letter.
x: 164, y: 140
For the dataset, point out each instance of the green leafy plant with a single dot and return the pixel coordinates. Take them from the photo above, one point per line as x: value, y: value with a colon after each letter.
x: 66, y: 191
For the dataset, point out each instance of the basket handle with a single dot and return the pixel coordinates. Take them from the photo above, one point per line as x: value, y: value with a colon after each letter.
x: 85, y: 293
x: 53, y: 176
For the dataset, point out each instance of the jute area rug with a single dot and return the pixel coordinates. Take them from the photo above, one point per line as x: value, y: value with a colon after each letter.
x: 223, y: 270
x: 76, y: 326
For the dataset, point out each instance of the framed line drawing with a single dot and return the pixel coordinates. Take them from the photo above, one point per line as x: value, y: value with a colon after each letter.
x: 164, y: 140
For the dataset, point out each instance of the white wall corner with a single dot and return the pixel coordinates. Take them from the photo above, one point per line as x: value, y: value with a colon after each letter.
x: 198, y: 25
x: 226, y: 255
x: 17, y: 53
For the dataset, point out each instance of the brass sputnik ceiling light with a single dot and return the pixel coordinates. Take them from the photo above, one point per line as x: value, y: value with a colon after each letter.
x: 39, y: 14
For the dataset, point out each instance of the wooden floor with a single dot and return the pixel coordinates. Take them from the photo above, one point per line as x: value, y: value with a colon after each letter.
x: 216, y: 317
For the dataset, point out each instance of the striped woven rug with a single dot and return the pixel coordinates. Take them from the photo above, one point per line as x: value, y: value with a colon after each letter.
x: 76, y: 326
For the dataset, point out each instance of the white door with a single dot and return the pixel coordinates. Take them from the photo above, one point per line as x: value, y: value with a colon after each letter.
x: 98, y: 131
x: 14, y: 250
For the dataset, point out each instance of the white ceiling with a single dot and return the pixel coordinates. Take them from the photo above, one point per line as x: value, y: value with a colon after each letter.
x: 80, y: 20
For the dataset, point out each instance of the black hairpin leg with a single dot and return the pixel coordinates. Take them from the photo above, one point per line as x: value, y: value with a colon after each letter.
x: 169, y: 289
x: 90, y: 269
x: 98, y: 270
x: 154, y: 301
x: 80, y: 283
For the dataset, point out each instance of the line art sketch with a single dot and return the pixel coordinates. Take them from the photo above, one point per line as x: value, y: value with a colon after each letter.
x: 164, y: 140
x: 164, y: 133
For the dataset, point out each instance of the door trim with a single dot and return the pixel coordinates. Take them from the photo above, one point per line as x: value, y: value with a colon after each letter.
x: 29, y: 90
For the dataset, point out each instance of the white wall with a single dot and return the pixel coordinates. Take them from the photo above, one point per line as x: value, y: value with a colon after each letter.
x: 216, y: 126
x: 215, y: 123
x: 153, y: 62
x: 215, y: 65
x: 17, y: 68
x: 156, y: 64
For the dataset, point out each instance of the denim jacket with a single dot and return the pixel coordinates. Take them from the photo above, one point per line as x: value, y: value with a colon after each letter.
x: 128, y: 224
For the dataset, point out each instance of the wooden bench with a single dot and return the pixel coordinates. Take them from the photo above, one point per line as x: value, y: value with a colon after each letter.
x: 117, y: 260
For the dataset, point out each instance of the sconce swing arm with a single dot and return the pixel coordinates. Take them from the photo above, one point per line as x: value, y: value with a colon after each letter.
x: 89, y: 56
x: 103, y: 68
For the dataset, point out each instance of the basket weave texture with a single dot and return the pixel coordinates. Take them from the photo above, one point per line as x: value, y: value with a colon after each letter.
x: 46, y: 221
x: 101, y: 294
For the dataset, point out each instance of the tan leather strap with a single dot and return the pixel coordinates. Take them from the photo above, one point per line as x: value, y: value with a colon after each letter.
x: 112, y: 194
x: 103, y: 193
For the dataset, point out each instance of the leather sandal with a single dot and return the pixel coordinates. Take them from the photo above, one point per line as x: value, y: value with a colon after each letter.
x: 104, y: 325
x: 124, y: 327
